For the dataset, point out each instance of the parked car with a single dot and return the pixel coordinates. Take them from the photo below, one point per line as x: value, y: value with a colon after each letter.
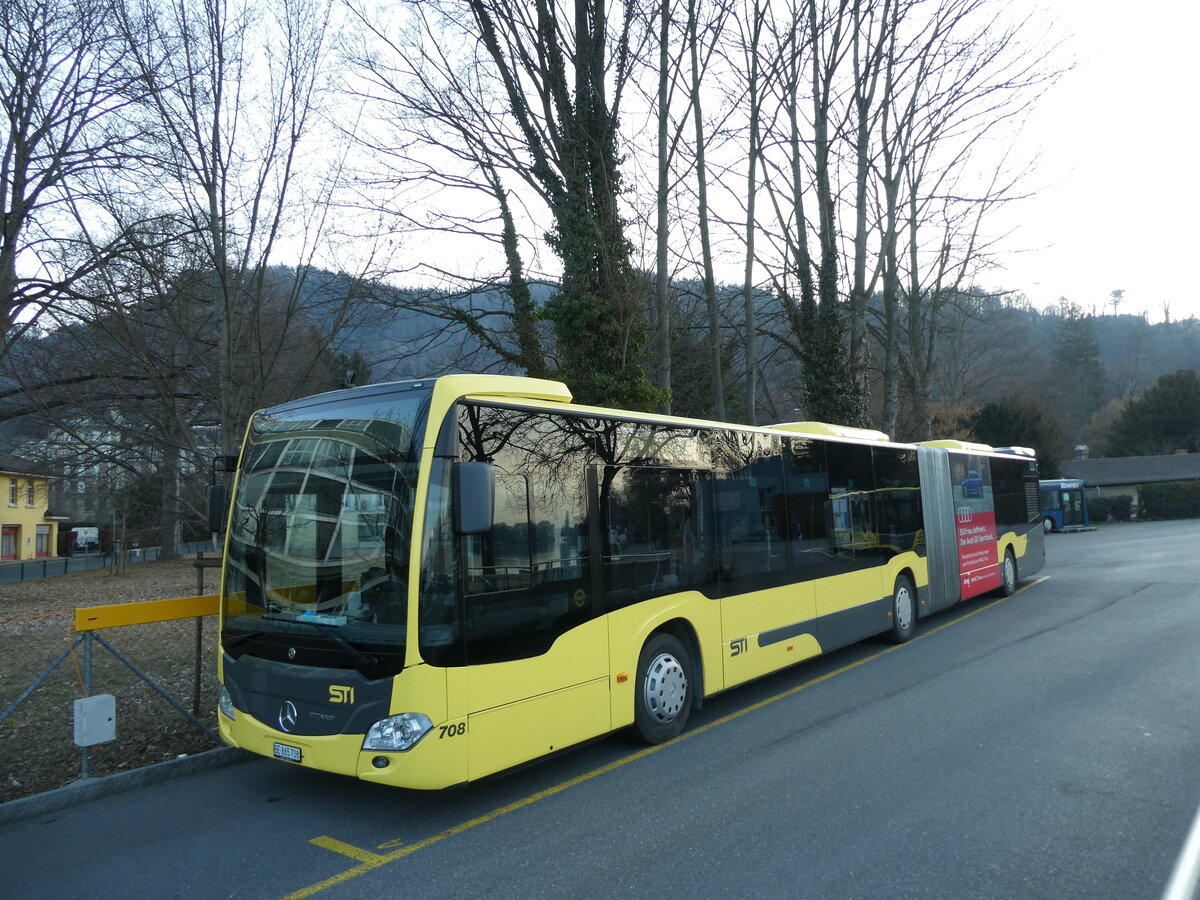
x: 972, y: 485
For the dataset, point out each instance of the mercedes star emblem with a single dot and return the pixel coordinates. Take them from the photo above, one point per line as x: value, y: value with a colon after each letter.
x: 287, y: 716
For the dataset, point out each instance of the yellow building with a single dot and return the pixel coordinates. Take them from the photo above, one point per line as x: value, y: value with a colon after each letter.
x: 27, y: 531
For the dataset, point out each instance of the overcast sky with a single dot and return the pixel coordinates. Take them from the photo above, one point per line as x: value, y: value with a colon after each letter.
x: 1120, y: 200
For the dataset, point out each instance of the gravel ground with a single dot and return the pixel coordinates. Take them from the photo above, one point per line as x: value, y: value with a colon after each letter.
x: 37, y: 749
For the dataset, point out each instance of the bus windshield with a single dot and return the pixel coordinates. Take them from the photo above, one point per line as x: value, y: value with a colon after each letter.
x: 319, y: 536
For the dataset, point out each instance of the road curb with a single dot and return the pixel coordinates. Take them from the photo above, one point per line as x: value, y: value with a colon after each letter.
x: 89, y: 789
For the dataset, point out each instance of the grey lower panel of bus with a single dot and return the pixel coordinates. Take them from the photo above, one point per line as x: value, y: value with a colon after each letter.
x: 846, y: 626
x: 937, y: 507
x: 1035, y: 551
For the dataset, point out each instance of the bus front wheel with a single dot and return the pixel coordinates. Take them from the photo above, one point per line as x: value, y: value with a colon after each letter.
x: 1047, y: 524
x: 664, y: 689
x: 904, y: 610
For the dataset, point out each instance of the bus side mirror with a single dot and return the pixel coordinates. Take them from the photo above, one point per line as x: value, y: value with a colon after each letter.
x: 224, y: 463
x: 474, y: 497
x: 217, y: 509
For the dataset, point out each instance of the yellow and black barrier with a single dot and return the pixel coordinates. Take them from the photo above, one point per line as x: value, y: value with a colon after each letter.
x: 91, y: 619
x: 144, y: 612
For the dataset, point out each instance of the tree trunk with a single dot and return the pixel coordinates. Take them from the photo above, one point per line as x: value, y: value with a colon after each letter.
x: 716, y: 376
x: 751, y: 336
x: 662, y: 275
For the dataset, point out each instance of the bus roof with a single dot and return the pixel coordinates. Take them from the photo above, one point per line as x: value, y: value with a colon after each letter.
x: 824, y: 429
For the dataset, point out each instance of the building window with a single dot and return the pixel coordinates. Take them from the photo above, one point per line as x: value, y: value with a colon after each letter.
x: 12, y: 492
x: 9, y: 535
x: 29, y: 493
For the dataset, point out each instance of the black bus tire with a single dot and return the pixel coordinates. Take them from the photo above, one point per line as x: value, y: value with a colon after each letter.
x: 1047, y: 524
x: 663, y: 691
x: 1008, y: 574
x: 904, y: 610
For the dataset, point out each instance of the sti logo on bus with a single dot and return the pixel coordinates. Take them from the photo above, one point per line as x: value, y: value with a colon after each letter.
x: 738, y: 647
x: 340, y: 694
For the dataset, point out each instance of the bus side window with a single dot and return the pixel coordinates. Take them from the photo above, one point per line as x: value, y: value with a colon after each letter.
x: 853, y: 530
x: 441, y: 638
x: 499, y: 560
x: 898, y: 501
x: 806, y: 490
x: 527, y: 580
x: 657, y: 532
x: 753, y: 547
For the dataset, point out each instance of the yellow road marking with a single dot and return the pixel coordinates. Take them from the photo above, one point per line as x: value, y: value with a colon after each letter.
x: 364, y: 856
x: 371, y: 861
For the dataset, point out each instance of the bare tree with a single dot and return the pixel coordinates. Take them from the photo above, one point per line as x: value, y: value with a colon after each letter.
x: 65, y: 86
x: 752, y: 36
x: 428, y: 104
x: 965, y: 74
x: 232, y: 102
x: 715, y: 366
x: 541, y: 102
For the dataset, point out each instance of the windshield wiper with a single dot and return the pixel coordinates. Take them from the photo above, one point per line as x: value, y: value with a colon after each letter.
x: 363, y: 659
x: 226, y: 643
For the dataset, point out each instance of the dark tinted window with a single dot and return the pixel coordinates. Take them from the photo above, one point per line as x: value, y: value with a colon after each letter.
x: 804, y: 504
x: 851, y: 517
x: 527, y: 581
x: 656, y: 532
x: 1009, y: 479
x: 748, y: 499
x: 501, y: 560
x: 440, y: 612
x: 898, y: 501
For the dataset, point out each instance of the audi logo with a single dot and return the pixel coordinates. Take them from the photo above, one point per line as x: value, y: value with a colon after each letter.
x: 964, y: 514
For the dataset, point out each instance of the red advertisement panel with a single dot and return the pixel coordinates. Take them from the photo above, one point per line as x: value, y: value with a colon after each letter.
x: 975, y: 523
x: 978, y: 563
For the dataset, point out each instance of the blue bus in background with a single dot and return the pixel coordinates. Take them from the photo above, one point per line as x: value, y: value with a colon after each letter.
x: 1063, y: 504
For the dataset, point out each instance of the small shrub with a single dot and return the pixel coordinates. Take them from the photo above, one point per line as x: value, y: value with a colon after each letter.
x: 1174, y: 500
x: 1101, y: 509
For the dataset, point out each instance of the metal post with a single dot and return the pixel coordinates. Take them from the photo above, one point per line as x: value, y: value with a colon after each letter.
x: 199, y: 653
x: 85, y: 763
x: 199, y: 636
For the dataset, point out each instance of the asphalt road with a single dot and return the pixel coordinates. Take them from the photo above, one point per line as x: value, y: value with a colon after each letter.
x: 1045, y: 745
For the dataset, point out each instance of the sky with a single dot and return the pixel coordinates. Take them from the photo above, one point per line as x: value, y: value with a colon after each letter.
x: 1118, y: 202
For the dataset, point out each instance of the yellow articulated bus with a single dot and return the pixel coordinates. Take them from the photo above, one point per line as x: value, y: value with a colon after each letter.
x: 428, y: 582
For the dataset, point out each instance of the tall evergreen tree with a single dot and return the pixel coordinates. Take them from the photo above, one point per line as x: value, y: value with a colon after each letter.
x: 1164, y: 419
x: 1011, y: 422
x: 1078, y: 371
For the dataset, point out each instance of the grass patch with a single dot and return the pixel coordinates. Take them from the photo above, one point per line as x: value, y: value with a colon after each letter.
x: 37, y: 749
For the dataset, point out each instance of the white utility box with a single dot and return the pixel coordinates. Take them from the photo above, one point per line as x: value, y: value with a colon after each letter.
x: 95, y: 720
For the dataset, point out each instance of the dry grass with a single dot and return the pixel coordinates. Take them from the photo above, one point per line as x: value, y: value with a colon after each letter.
x: 37, y: 750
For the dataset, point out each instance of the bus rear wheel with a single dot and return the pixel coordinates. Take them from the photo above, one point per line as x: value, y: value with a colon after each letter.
x: 1008, y: 574
x: 904, y: 610
x: 664, y: 689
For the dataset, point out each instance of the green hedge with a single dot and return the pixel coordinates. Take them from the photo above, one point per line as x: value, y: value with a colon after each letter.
x: 1099, y: 508
x: 1176, y: 500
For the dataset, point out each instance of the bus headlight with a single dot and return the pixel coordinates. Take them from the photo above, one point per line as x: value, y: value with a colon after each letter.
x: 225, y: 703
x: 400, y: 732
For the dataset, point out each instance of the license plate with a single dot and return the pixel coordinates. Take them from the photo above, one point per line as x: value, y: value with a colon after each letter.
x: 284, y: 751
